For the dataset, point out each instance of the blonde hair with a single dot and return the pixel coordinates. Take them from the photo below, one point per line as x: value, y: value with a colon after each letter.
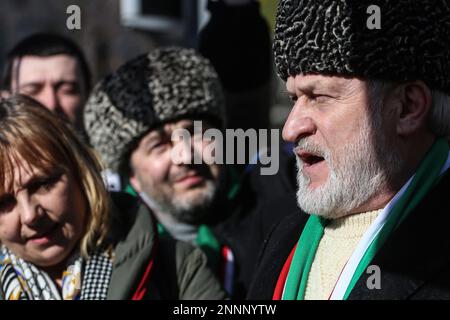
x: 44, y: 141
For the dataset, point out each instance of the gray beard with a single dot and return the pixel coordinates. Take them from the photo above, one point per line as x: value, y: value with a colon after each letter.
x: 365, y: 167
x: 183, y: 209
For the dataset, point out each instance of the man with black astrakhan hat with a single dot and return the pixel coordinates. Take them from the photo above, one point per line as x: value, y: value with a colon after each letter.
x: 370, y: 121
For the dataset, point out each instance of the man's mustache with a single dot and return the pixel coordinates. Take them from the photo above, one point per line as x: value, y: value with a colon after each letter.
x: 311, y: 147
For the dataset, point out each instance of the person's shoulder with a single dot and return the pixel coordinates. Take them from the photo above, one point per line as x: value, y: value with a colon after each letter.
x: 188, y: 258
x: 274, y: 252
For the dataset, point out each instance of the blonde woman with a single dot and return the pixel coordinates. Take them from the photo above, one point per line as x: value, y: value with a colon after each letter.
x: 62, y: 237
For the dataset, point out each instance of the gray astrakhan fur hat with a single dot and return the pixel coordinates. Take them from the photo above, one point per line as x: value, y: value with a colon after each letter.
x: 165, y: 85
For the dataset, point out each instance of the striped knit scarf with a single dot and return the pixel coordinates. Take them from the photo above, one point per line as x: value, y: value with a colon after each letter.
x: 21, y: 280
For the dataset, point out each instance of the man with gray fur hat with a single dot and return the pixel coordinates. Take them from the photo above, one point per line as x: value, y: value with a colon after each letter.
x: 131, y: 118
x: 370, y: 117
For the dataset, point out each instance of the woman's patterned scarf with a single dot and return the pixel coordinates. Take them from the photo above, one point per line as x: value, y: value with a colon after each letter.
x: 82, y: 280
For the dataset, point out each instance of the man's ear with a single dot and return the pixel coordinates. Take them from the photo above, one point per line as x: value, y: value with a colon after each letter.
x: 134, y: 181
x: 413, y: 111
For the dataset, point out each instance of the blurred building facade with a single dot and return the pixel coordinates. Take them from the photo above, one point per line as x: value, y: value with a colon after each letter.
x: 104, y: 38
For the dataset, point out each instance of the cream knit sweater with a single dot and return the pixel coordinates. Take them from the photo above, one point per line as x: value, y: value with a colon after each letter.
x: 340, y: 238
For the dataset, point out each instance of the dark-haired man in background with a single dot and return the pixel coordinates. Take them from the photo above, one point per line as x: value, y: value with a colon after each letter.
x: 51, y: 69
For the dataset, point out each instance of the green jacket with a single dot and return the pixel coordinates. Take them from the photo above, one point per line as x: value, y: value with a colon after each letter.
x: 179, y: 272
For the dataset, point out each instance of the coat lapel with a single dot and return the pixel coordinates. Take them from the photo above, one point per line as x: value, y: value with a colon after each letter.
x: 274, y: 253
x: 132, y: 255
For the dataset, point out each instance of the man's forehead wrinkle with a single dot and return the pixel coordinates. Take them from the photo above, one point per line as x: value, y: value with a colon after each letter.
x: 340, y: 84
x: 154, y: 133
x: 41, y: 69
x: 41, y: 80
x: 313, y: 83
x: 308, y: 85
x: 353, y: 87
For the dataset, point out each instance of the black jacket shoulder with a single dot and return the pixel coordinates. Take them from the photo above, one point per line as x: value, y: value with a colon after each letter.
x: 275, y: 250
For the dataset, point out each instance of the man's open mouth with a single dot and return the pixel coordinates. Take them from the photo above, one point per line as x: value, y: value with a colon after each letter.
x: 308, y: 158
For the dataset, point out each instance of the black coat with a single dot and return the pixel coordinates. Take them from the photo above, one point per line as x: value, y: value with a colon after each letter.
x: 414, y: 261
x: 250, y: 216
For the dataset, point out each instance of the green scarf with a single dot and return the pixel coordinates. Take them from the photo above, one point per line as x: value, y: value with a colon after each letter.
x: 206, y: 241
x: 426, y: 177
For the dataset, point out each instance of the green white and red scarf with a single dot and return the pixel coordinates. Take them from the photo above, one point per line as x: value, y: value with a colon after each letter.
x: 292, y: 281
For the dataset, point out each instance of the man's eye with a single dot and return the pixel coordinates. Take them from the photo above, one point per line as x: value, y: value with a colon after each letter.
x: 69, y: 89
x: 158, y: 147
x: 7, y: 204
x: 318, y: 98
x: 30, y: 90
x: 293, y: 98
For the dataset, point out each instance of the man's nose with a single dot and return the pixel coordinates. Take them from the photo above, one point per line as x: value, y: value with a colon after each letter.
x: 49, y: 98
x: 298, y: 125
